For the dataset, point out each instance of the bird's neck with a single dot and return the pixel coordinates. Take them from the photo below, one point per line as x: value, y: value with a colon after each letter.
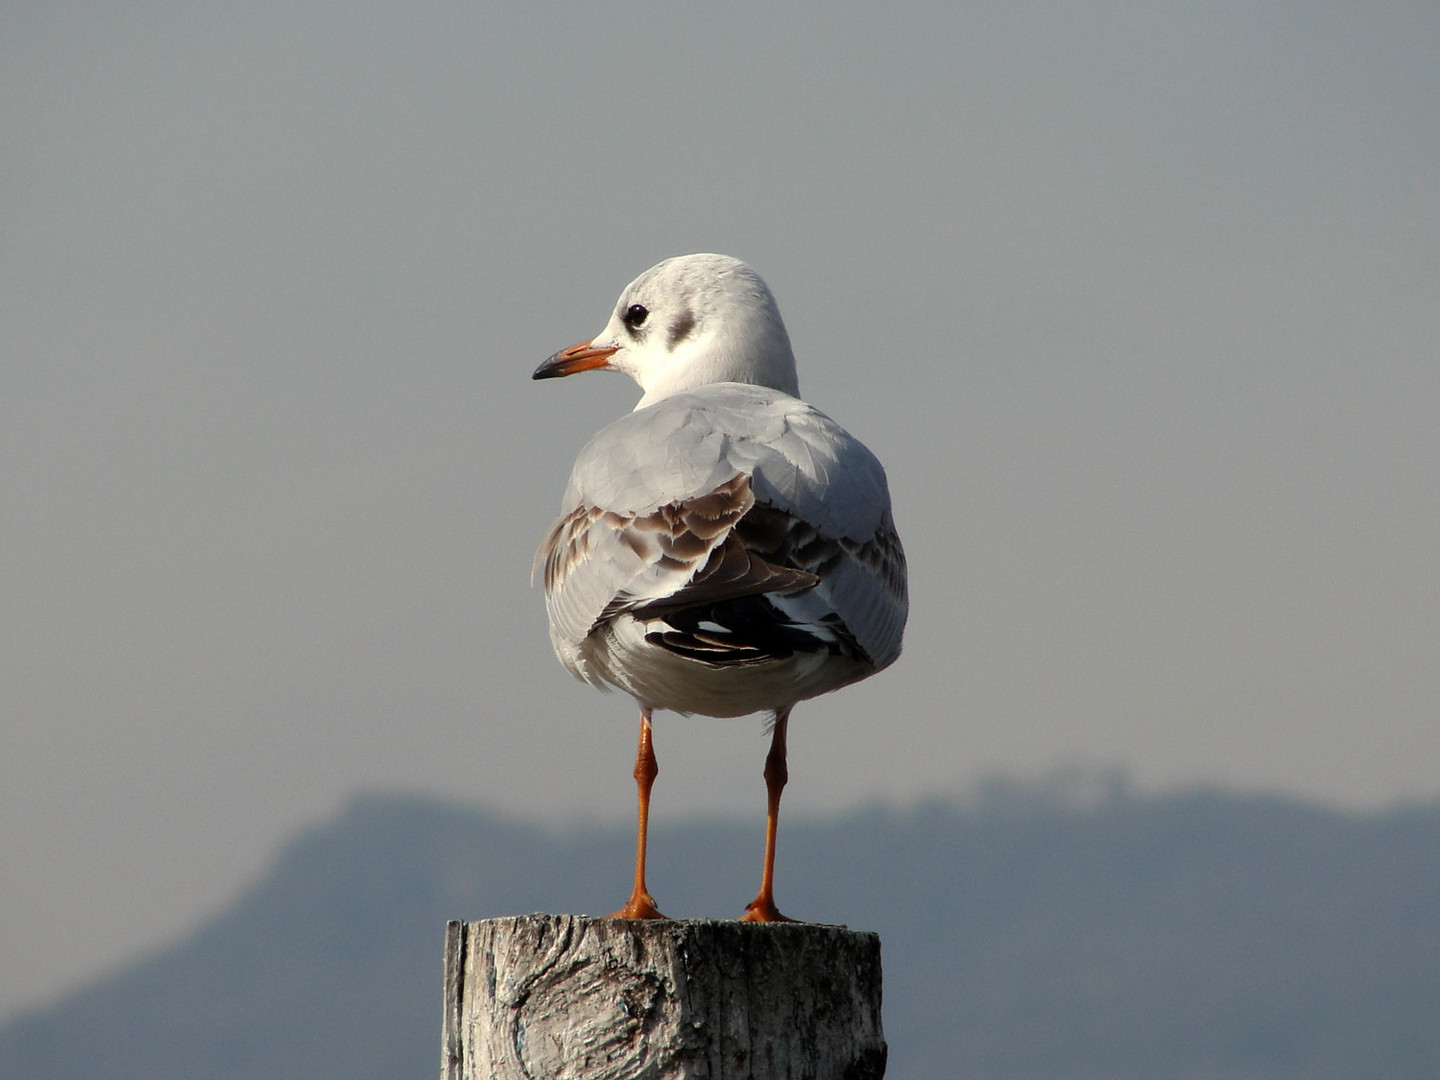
x: 775, y: 369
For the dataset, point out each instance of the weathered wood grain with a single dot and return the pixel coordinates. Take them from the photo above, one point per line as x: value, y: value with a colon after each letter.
x: 563, y: 997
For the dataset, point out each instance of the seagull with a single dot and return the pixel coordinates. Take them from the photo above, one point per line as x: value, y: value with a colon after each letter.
x: 726, y: 548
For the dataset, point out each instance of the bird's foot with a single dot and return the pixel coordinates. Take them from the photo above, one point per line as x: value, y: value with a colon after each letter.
x: 763, y: 909
x: 641, y: 905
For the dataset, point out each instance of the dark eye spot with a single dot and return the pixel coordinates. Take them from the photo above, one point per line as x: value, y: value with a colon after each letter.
x: 681, y: 330
x: 635, y: 316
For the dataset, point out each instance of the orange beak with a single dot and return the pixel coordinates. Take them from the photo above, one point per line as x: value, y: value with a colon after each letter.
x: 582, y: 357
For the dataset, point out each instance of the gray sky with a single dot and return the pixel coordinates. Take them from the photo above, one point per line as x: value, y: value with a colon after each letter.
x: 1139, y: 304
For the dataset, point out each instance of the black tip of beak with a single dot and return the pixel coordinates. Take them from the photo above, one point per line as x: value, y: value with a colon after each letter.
x: 547, y: 370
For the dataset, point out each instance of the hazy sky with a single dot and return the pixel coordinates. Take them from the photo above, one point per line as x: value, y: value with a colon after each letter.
x: 1139, y: 304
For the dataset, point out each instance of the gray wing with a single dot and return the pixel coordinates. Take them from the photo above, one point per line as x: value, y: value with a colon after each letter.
x: 728, y: 491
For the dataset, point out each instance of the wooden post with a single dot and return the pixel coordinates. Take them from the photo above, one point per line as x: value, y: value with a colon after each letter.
x: 566, y: 997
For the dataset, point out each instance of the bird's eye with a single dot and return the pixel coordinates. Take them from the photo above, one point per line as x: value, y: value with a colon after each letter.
x: 635, y: 316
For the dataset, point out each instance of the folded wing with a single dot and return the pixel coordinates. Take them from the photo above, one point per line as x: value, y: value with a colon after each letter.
x: 738, y: 523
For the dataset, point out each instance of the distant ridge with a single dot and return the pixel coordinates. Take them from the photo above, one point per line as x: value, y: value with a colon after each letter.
x: 1025, y: 936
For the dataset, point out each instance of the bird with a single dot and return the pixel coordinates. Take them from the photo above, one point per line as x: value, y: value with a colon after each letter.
x: 726, y: 548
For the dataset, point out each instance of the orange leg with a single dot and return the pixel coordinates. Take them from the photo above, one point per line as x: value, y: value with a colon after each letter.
x: 762, y: 908
x: 641, y: 905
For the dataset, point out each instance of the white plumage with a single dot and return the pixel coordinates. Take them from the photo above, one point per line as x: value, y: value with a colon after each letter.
x: 726, y: 548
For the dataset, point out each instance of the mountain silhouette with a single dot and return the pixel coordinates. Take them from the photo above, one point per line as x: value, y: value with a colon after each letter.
x: 1025, y: 934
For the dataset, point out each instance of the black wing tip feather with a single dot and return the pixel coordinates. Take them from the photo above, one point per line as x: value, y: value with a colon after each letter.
x: 743, y: 630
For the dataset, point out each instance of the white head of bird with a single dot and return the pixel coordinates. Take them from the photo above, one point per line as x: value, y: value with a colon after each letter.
x: 689, y: 322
